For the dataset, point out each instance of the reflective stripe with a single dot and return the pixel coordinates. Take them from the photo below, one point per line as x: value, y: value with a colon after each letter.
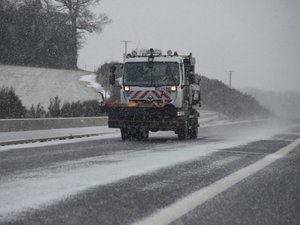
x: 144, y: 94
x: 164, y: 93
x: 135, y: 94
x: 159, y: 95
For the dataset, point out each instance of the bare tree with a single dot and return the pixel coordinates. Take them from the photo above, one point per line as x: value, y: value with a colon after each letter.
x: 81, y: 20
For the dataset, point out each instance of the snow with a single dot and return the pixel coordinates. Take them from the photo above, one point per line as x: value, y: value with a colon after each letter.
x: 104, y: 131
x: 119, y: 80
x: 91, y: 80
x: 41, y: 187
x: 48, y: 83
x: 226, y: 161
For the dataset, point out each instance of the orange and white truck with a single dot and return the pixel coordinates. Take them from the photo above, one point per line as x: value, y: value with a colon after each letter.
x: 157, y: 93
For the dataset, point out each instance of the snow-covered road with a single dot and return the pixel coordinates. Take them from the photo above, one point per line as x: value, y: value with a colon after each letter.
x: 37, y: 176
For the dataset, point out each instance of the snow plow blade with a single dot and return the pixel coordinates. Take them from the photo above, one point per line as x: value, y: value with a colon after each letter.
x: 153, y: 118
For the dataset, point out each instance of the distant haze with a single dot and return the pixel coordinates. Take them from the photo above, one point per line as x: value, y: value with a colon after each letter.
x: 258, y: 39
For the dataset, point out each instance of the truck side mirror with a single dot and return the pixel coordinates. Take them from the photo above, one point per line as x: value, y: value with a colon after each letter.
x: 112, y: 76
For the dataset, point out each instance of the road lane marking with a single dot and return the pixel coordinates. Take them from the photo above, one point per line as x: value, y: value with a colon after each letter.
x: 190, y: 202
x: 242, y: 152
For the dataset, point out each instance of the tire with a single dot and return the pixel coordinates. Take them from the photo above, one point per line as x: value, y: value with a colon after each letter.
x: 194, y: 129
x: 182, y: 134
x: 134, y: 133
x: 125, y: 135
x: 194, y: 132
x: 142, y: 134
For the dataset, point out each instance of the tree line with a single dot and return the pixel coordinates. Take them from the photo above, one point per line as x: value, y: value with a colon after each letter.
x: 46, y: 33
x: 11, y: 107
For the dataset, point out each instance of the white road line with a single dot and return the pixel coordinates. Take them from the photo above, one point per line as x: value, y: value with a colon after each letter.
x: 190, y: 202
x: 242, y: 153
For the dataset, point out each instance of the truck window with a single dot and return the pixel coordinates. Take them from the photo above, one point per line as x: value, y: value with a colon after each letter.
x: 161, y: 74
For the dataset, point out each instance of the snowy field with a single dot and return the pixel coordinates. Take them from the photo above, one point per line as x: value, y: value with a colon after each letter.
x: 38, y: 85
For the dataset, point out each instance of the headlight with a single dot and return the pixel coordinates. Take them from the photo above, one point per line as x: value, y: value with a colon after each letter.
x: 173, y: 88
x: 180, y: 113
x: 126, y: 88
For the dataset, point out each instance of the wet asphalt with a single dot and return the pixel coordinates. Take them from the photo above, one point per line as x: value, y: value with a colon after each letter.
x: 270, y: 196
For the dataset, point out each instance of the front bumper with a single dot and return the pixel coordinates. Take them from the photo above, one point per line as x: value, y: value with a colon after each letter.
x: 151, y: 118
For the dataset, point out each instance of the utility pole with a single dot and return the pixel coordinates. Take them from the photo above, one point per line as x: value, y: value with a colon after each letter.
x: 125, y: 53
x: 230, y: 75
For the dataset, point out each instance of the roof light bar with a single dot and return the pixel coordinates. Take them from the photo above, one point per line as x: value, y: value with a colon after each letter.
x: 155, y: 52
x: 134, y: 53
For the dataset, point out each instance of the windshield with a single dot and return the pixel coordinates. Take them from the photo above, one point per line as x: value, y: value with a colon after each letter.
x: 160, y: 74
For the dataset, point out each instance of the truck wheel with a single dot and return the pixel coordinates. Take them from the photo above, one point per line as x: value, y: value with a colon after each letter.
x: 182, y: 134
x: 194, y: 130
x: 125, y: 135
x: 134, y: 133
x: 142, y: 134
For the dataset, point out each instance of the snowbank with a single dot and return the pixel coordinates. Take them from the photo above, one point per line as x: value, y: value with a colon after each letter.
x: 38, y: 85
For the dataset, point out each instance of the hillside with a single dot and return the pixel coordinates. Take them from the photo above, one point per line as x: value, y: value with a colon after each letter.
x: 282, y: 104
x: 38, y: 85
x: 234, y: 104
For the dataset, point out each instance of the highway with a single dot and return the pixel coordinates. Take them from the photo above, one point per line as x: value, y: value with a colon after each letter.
x: 234, y: 173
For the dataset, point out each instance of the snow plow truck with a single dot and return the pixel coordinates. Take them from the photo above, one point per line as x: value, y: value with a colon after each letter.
x: 157, y: 93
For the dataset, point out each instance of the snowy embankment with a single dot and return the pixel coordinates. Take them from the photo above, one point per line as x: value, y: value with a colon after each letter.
x: 38, y: 85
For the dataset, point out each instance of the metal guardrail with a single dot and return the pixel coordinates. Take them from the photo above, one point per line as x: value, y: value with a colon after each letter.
x: 8, y: 125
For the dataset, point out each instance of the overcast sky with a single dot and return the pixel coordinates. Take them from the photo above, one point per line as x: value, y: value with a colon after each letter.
x: 257, y: 39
